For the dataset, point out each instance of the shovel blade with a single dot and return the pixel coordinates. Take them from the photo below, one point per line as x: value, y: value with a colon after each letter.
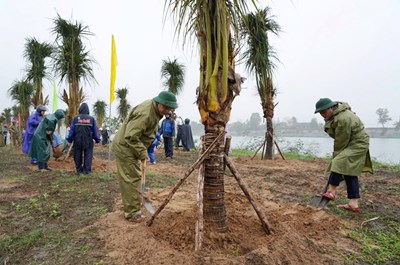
x: 148, y: 206
x: 319, y: 201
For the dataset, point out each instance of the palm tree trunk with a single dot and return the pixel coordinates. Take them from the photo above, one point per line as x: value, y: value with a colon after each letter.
x: 269, y: 114
x: 214, y: 208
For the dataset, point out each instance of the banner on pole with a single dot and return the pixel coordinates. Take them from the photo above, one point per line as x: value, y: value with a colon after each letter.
x: 114, y: 63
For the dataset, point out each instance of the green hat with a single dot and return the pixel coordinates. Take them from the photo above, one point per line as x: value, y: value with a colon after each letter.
x: 167, y: 99
x: 323, y: 104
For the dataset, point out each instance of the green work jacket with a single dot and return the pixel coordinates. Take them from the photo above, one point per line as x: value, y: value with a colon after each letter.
x: 351, y: 142
x: 137, y: 132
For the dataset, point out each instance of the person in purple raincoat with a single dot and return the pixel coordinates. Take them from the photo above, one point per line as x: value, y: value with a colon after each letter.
x: 31, y: 126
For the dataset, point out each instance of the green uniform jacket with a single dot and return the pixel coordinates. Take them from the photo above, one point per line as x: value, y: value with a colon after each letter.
x: 41, y: 142
x: 137, y: 132
x: 351, y: 143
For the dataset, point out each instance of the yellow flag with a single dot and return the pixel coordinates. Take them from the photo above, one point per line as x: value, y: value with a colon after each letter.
x: 114, y: 63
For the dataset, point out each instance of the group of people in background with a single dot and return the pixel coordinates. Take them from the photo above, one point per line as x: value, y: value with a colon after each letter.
x: 174, y: 133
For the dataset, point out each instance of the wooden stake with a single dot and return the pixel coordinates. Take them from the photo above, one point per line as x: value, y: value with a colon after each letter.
x: 245, y: 189
x: 263, y: 143
x: 200, y: 220
x: 187, y: 173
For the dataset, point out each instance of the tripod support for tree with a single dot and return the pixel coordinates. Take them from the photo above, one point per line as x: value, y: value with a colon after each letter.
x: 185, y: 176
x: 200, y: 222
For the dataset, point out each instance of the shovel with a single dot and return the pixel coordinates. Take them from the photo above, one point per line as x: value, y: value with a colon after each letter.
x: 145, y: 200
x: 320, y: 201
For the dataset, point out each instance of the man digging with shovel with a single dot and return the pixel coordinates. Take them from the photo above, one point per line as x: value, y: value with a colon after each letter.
x: 350, y: 151
x: 130, y: 148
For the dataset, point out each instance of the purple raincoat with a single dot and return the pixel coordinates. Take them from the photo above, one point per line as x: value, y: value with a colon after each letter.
x: 31, y: 125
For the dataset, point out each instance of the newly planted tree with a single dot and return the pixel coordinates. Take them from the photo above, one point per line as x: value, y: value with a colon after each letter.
x: 214, y: 23
x: 21, y: 92
x: 173, y: 74
x: 72, y: 61
x: 123, y: 106
x: 36, y: 54
x: 259, y: 56
x: 99, y: 109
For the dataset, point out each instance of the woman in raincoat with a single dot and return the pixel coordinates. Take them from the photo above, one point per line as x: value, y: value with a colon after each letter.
x: 42, y: 139
x: 350, y: 150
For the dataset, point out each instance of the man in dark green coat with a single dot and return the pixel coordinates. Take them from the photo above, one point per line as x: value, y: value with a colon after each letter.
x: 130, y: 147
x: 350, y: 149
x: 42, y: 139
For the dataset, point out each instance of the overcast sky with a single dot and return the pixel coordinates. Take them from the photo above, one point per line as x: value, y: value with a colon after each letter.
x: 347, y: 50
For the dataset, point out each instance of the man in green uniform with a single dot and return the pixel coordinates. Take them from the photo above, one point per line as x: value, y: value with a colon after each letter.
x: 350, y: 149
x: 130, y: 147
x: 42, y: 139
x: 15, y: 134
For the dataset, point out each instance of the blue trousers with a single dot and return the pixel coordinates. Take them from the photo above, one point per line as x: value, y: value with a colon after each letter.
x: 150, y: 151
x: 353, y: 189
x: 169, y: 146
x: 83, y: 160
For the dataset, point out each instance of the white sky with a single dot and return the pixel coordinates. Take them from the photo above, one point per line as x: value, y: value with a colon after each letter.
x: 347, y: 50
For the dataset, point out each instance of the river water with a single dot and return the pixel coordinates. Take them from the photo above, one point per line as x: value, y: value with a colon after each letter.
x: 386, y: 150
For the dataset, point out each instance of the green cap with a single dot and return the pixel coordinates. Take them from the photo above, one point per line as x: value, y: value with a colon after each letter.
x: 167, y: 99
x: 323, y: 104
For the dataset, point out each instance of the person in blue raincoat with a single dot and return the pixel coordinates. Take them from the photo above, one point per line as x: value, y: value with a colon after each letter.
x: 42, y: 139
x: 167, y: 130
x: 152, y: 147
x: 82, y: 132
x: 31, y: 125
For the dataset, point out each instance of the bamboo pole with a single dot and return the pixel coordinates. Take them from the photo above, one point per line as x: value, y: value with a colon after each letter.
x: 245, y: 189
x: 200, y: 219
x: 258, y: 149
x: 187, y: 173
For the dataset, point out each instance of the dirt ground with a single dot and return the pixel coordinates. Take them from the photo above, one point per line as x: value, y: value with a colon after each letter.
x: 282, y: 189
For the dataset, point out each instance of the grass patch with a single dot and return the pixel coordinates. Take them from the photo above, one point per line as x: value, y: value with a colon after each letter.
x: 13, y: 244
x: 159, y: 181
x: 242, y: 152
x: 379, y: 245
x: 385, y: 166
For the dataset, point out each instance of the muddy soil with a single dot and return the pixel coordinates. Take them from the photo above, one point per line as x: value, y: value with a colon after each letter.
x: 282, y: 189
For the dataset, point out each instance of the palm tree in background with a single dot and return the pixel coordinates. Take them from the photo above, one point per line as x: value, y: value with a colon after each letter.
x: 99, y: 110
x: 72, y: 63
x: 259, y: 57
x: 173, y: 74
x: 21, y: 92
x: 6, y: 114
x: 123, y: 107
x: 215, y: 24
x: 36, y: 53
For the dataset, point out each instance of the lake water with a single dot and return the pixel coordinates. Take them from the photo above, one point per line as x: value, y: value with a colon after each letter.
x: 386, y: 150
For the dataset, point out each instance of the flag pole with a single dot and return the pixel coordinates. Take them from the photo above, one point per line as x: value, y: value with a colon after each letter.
x: 114, y: 63
x: 109, y: 144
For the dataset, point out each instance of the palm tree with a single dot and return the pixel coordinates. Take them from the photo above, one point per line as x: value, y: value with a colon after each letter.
x: 99, y: 109
x: 72, y: 63
x: 215, y: 24
x: 173, y: 74
x: 36, y: 53
x: 6, y: 114
x: 21, y: 91
x: 123, y: 107
x: 259, y: 57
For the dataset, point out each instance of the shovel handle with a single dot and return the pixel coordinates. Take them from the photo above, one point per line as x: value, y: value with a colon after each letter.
x: 143, y: 181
